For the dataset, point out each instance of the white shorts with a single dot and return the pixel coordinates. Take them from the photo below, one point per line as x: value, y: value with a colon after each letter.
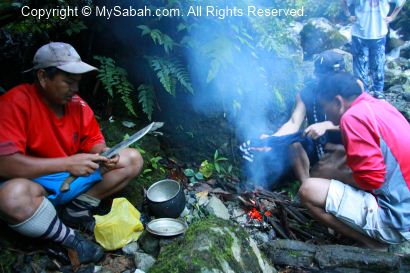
x: 359, y: 210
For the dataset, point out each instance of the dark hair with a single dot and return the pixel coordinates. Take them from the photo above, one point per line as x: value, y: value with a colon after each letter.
x: 51, y: 72
x: 329, y: 61
x: 340, y: 83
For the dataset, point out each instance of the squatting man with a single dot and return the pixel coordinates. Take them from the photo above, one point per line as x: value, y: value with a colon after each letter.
x: 47, y: 133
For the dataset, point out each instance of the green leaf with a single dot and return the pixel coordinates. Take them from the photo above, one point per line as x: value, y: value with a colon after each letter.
x: 170, y: 71
x: 199, y: 176
x: 217, y: 167
x: 192, y: 180
x: 213, y: 70
x: 115, y: 81
x: 189, y: 172
x: 146, y: 98
x: 145, y: 29
x: 206, y: 169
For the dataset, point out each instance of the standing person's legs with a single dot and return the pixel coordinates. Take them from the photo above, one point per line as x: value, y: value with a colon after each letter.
x: 360, y: 53
x: 377, y: 57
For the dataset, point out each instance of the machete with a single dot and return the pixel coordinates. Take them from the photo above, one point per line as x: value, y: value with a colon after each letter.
x: 116, y: 149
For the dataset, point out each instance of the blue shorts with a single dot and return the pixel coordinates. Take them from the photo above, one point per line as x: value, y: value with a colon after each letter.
x: 52, y: 183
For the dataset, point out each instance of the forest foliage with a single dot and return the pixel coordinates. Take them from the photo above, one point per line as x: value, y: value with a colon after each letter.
x: 163, y: 45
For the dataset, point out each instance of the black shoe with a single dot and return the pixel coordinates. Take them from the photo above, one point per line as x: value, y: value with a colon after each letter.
x: 87, y: 251
x: 80, y: 218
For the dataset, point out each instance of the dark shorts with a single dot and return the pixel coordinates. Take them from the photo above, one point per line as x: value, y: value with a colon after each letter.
x: 52, y: 183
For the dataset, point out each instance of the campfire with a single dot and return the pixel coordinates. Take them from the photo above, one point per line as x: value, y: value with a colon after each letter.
x: 265, y: 214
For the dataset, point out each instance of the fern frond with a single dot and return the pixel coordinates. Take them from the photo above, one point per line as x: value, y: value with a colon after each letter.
x: 146, y: 98
x: 115, y: 81
x: 158, y: 37
x: 170, y: 72
x: 181, y: 73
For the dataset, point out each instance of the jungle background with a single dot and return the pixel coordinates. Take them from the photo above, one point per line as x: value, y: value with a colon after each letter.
x: 214, y: 82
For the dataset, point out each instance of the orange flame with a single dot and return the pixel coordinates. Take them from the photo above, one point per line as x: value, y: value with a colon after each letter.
x: 268, y: 214
x: 254, y: 214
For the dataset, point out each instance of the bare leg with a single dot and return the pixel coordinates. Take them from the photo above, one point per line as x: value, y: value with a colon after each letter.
x: 333, y: 165
x: 313, y: 193
x: 128, y: 167
x: 19, y: 199
x: 300, y: 161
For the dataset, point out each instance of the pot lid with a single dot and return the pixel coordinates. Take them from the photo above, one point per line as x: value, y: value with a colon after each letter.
x: 166, y: 227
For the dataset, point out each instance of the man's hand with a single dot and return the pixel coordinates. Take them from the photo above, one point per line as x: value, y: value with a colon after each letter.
x: 318, y: 129
x: 389, y: 19
x: 111, y: 163
x: 84, y: 164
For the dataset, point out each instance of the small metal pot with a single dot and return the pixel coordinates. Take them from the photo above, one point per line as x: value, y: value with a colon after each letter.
x: 166, y: 199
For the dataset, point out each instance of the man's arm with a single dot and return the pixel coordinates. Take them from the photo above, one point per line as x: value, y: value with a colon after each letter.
x: 21, y: 166
x: 317, y: 130
x: 398, y: 7
x: 346, y: 11
x: 295, y: 121
x: 345, y: 8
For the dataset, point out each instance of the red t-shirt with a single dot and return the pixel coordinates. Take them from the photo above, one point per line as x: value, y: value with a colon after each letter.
x: 29, y: 127
x: 364, y: 126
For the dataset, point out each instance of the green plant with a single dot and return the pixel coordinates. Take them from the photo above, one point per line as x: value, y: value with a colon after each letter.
x: 216, y: 167
x: 217, y: 162
x: 158, y: 37
x: 115, y: 81
x: 170, y: 71
x: 193, y: 176
x: 146, y: 98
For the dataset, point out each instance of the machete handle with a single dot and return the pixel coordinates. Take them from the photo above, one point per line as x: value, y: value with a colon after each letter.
x: 66, y: 184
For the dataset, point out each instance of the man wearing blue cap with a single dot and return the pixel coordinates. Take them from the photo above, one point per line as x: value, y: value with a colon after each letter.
x: 47, y: 133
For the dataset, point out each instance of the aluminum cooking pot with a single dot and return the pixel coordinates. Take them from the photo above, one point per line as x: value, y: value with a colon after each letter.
x: 166, y: 199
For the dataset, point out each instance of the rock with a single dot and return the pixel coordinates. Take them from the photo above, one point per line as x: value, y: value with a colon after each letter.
x: 319, y: 35
x: 131, y: 248
x: 260, y: 237
x: 394, y: 43
x: 395, y: 73
x: 405, y: 50
x: 149, y: 243
x: 403, y: 248
x: 216, y: 208
x: 104, y: 270
x: 328, y: 257
x: 213, y: 245
x: 406, y: 96
x: 143, y: 261
x: 166, y: 241
x: 239, y: 216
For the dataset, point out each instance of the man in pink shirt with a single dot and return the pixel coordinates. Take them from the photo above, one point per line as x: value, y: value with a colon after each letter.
x: 374, y: 209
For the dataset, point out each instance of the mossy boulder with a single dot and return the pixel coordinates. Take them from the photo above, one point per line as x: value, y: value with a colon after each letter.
x: 319, y: 35
x: 212, y: 245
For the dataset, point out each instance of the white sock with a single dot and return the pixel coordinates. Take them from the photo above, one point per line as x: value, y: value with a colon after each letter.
x: 44, y: 223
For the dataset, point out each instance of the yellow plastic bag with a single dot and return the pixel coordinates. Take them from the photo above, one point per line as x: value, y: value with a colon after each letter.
x: 119, y: 227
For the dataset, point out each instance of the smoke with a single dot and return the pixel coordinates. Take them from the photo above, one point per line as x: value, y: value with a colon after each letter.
x: 235, y: 73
